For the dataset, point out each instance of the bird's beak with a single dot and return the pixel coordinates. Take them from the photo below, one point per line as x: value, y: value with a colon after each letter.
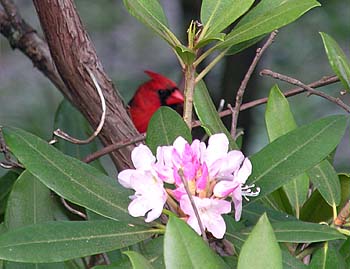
x: 175, y: 98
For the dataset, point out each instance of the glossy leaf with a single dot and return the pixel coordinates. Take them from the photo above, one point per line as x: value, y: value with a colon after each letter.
x: 325, y: 179
x: 290, y: 262
x: 68, y: 118
x: 164, y: 127
x: 337, y: 59
x: 150, y: 13
x: 269, y: 255
x: 267, y: 20
x: 6, y: 184
x: 137, y: 260
x: 183, y: 248
x: 316, y: 209
x: 30, y: 202
x: 216, y: 15
x: 63, y: 240
x: 279, y: 121
x: 304, y: 232
x: 208, y: 115
x: 293, y: 153
x: 75, y: 181
x: 327, y: 257
x: 187, y: 55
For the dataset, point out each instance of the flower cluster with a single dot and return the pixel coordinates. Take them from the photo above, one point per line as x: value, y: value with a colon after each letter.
x: 209, y: 174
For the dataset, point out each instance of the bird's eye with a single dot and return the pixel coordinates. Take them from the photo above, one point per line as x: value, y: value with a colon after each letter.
x: 164, y: 94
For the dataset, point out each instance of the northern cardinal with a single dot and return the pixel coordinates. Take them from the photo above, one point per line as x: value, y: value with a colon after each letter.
x: 157, y: 92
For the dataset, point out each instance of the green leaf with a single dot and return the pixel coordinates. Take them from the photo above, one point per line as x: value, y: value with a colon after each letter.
x: 265, y: 20
x: 279, y: 121
x: 295, y: 152
x: 243, y: 45
x: 63, y: 240
x: 325, y: 179
x: 68, y: 118
x: 316, y: 209
x: 29, y: 203
x: 290, y: 262
x: 304, y: 232
x: 337, y: 59
x: 75, y: 181
x: 187, y: 55
x: 137, y: 260
x: 211, y: 38
x: 327, y: 257
x: 6, y: 184
x: 216, y: 15
x: 207, y: 114
x: 151, y: 13
x: 164, y: 127
x: 270, y: 255
x: 183, y: 248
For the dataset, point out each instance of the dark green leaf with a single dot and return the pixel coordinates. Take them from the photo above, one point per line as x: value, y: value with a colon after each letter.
x: 293, y: 153
x: 164, y: 127
x: 279, y: 121
x: 68, y: 118
x: 326, y: 258
x: 316, y: 209
x: 325, y: 179
x: 150, y: 13
x: 216, y: 15
x: 207, y: 40
x: 6, y: 183
x: 208, y: 115
x: 265, y: 20
x: 183, y: 248
x: 137, y: 260
x: 75, y: 181
x: 269, y: 255
x: 337, y: 59
x: 304, y: 232
x: 290, y: 262
x: 60, y: 241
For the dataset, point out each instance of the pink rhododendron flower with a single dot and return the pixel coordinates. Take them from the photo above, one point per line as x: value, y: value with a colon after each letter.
x: 210, y: 211
x: 209, y: 174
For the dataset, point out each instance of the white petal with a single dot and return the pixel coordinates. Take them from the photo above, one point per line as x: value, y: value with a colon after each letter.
x: 244, y: 172
x: 179, y: 144
x: 217, y: 148
x: 124, y: 177
x: 142, y: 157
x: 216, y: 225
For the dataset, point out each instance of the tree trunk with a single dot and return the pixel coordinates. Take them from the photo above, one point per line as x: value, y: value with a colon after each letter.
x: 72, y: 52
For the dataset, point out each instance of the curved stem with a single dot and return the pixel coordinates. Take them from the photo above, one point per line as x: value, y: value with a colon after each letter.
x: 189, y: 90
x: 210, y: 66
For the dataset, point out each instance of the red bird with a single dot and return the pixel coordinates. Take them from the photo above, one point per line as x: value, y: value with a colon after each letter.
x: 157, y: 92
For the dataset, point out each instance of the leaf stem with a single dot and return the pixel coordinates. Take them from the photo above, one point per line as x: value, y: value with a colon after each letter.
x: 210, y: 65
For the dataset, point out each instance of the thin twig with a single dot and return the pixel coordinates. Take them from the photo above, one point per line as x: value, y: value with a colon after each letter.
x: 298, y: 83
x: 73, y: 140
x: 72, y: 210
x: 327, y: 80
x: 243, y: 86
x: 108, y: 149
x: 195, y: 210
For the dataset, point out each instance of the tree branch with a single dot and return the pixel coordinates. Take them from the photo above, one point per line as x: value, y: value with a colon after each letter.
x: 73, y: 51
x: 298, y: 83
x: 243, y: 86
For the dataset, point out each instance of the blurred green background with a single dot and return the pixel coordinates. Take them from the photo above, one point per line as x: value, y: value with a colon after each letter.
x: 127, y: 48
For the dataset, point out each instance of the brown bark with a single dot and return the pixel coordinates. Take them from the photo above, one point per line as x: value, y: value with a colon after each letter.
x: 72, y: 52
